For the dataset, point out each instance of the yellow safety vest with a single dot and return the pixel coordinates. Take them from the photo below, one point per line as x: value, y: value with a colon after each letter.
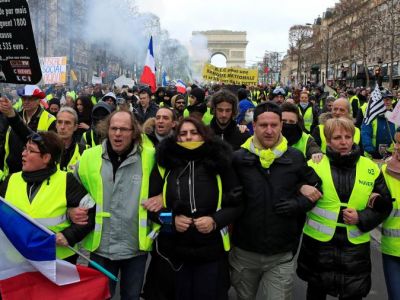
x: 207, y: 117
x: 356, y: 138
x: 308, y: 118
x: 224, y: 231
x: 390, y: 241
x: 74, y: 159
x: 90, y: 175
x: 45, y: 120
x: 92, y: 142
x: 301, y: 144
x: 321, y: 221
x: 48, y: 207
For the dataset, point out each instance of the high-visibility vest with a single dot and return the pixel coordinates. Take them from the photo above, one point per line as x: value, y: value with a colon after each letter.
x: 390, y: 241
x: 308, y: 118
x: 45, y: 120
x: 48, y: 207
x: 88, y: 137
x: 301, y: 144
x: 224, y: 231
x: 74, y: 159
x: 356, y: 138
x: 352, y: 98
x: 90, y: 175
x: 18, y: 105
x: 207, y: 117
x: 321, y: 221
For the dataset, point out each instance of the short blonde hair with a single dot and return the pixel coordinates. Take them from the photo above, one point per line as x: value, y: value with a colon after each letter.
x: 334, y: 123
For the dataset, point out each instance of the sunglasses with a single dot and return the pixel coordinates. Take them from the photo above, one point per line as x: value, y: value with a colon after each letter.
x: 38, y: 140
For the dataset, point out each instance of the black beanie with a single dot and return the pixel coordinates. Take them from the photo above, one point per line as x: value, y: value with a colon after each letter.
x: 199, y: 94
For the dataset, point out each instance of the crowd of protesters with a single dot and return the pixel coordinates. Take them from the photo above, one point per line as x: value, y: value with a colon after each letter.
x: 220, y: 186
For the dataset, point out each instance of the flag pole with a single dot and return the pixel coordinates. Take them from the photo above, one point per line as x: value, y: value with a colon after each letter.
x: 94, y: 264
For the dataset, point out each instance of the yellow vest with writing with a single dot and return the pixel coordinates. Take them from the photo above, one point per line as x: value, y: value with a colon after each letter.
x: 321, y: 221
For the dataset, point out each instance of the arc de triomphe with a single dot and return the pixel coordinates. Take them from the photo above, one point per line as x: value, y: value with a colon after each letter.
x: 231, y: 44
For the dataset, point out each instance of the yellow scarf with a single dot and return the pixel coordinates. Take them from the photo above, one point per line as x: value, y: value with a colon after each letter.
x: 266, y: 156
x: 190, y: 145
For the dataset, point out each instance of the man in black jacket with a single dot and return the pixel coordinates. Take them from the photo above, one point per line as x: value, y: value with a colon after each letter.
x: 267, y: 234
x: 224, y: 107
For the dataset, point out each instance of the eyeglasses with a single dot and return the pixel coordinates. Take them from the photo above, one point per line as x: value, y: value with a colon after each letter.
x: 29, y: 151
x: 121, y: 129
x: 38, y: 140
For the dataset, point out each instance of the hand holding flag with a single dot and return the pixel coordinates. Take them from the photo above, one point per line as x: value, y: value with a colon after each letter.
x: 375, y: 106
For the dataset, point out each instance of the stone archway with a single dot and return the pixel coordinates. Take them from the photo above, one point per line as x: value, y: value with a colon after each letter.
x: 231, y: 44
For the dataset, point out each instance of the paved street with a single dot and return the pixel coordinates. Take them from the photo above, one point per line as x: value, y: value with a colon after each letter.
x: 378, y: 290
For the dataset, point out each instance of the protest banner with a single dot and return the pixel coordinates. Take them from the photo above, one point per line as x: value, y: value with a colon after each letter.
x: 230, y: 75
x: 54, y: 69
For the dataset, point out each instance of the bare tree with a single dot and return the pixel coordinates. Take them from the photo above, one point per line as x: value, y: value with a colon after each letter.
x: 387, y: 24
x: 299, y: 35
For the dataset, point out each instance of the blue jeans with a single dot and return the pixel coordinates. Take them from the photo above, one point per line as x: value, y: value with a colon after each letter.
x: 391, y: 268
x: 132, y: 274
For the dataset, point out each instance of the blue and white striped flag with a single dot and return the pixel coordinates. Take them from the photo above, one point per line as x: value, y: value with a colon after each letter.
x: 375, y: 106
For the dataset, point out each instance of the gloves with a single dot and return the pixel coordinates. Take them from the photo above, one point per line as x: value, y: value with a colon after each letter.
x: 286, y: 207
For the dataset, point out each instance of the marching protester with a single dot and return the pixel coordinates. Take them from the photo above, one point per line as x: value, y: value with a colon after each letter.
x: 267, y: 233
x: 378, y: 134
x: 33, y: 115
x: 308, y: 112
x: 340, y: 108
x: 245, y: 113
x: 100, y: 111
x: 292, y: 130
x: 159, y: 128
x: 335, y: 252
x: 44, y: 192
x: 224, y: 108
x: 146, y: 107
x: 83, y: 107
x: 116, y: 174
x: 179, y: 105
x: 200, y: 189
x: 390, y: 242
x: 66, y: 125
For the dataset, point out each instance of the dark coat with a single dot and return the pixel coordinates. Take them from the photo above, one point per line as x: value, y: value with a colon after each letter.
x: 231, y: 134
x: 260, y: 228
x: 338, y: 266
x: 210, y: 159
x: 150, y: 112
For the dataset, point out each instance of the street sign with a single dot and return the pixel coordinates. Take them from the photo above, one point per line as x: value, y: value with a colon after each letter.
x: 19, y: 61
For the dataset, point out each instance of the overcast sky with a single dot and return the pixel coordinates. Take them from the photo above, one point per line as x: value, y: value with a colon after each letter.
x: 266, y: 22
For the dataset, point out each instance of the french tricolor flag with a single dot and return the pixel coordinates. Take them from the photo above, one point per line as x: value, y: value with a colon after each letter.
x: 180, y: 86
x: 29, y: 268
x: 149, y: 71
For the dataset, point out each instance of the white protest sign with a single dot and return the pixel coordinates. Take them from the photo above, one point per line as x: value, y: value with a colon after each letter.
x: 54, y: 69
x: 394, y: 117
x: 96, y: 80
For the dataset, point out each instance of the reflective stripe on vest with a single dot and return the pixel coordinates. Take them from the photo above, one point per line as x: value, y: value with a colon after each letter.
x: 301, y: 144
x: 307, y: 117
x: 356, y: 139
x: 45, y: 120
x: 322, y: 219
x: 224, y: 231
x: 90, y: 175
x: 48, y: 207
x: 390, y: 241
